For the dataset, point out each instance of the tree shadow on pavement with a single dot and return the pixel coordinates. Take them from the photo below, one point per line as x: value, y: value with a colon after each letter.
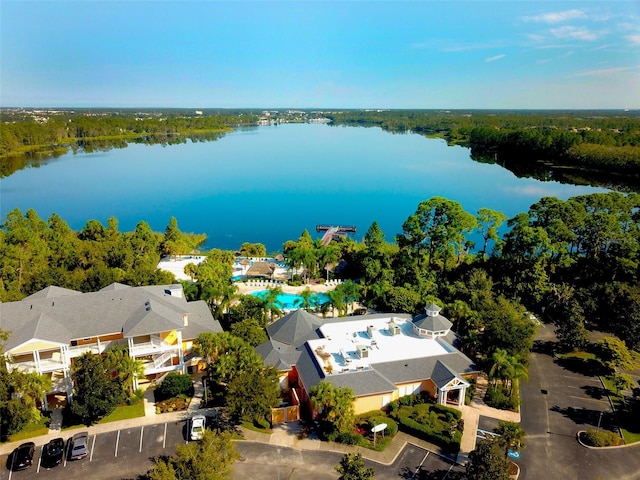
x: 587, y: 416
x: 546, y: 347
x: 440, y: 475
x: 587, y: 367
x: 597, y: 393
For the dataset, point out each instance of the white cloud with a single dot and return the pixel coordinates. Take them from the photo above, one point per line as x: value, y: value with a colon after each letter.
x: 557, y: 17
x: 578, y: 33
x: 602, y: 72
x: 634, y: 39
x: 535, y: 37
x: 494, y: 58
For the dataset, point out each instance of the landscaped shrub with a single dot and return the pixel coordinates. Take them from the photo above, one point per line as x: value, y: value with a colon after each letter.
x: 174, y: 384
x: 602, y: 438
x: 262, y: 422
x: 392, y: 426
x: 498, y: 397
x: 448, y: 442
x: 435, y: 423
x: 450, y: 413
x: 349, y: 438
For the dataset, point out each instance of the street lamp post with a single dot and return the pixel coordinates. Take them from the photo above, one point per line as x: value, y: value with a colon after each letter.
x: 599, y: 420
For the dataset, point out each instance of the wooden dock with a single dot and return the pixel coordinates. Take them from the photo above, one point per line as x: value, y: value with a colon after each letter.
x: 334, y: 232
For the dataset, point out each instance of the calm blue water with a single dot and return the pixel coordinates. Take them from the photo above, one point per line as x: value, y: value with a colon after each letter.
x: 268, y: 184
x: 290, y: 301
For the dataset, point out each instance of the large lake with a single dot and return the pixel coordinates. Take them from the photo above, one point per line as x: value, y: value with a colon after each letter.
x: 268, y: 184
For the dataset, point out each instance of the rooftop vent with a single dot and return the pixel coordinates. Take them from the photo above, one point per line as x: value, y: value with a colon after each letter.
x: 362, y: 351
x: 394, y: 329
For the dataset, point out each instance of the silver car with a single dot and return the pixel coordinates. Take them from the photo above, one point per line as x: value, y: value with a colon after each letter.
x: 78, y: 448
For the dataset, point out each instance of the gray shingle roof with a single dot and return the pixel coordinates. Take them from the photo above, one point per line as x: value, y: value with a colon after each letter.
x: 437, y: 323
x: 295, y: 328
x: 74, y: 315
x: 53, y: 292
x: 278, y: 354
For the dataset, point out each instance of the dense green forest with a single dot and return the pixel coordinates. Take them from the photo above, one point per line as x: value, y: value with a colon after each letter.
x: 580, y: 147
x: 578, y: 261
x: 575, y: 263
x: 27, y: 138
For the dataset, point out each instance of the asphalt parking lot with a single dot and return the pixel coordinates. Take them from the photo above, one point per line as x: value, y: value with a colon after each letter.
x: 272, y: 462
x: 127, y: 453
x: 557, y: 402
x: 120, y: 454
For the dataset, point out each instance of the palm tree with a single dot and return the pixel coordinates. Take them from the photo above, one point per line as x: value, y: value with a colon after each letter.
x: 191, y: 269
x: 228, y: 294
x: 306, y: 300
x: 33, y: 386
x: 126, y: 368
x: 349, y: 292
x: 517, y: 370
x: 336, y: 299
x: 511, y: 436
x: 501, y: 364
x: 271, y: 302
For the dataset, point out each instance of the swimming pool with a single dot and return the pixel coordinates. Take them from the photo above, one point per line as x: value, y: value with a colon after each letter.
x: 291, y: 301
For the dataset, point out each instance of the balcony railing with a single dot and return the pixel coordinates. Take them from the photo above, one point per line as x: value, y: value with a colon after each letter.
x: 95, y: 348
x: 151, y: 348
x: 44, y: 365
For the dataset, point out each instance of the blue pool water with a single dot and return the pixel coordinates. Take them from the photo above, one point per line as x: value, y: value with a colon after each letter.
x: 291, y: 301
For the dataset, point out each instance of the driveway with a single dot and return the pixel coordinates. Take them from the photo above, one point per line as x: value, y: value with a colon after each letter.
x: 557, y: 402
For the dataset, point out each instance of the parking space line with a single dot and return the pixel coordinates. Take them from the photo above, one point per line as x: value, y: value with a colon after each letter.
x: 582, y: 379
x: 141, y: 435
x: 448, y: 472
x: 117, y: 443
x: 164, y: 438
x: 93, y: 447
x: 419, y: 467
x: 40, y: 459
x: 587, y: 398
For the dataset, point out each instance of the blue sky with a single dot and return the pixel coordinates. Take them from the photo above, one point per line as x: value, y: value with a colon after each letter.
x: 321, y: 54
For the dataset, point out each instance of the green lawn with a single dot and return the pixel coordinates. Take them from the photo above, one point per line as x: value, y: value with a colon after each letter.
x: 32, y: 430
x: 629, y: 424
x: 124, y: 412
x: 578, y: 354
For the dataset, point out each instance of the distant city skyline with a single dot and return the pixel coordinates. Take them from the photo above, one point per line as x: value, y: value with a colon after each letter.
x: 312, y: 54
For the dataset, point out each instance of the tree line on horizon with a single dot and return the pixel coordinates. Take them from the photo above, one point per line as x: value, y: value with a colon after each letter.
x: 44, y: 138
x: 594, y: 148
x: 578, y: 147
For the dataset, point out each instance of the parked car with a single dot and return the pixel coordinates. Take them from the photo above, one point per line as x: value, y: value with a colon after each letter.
x: 78, y: 448
x: 21, y: 457
x: 198, y: 423
x: 52, y: 453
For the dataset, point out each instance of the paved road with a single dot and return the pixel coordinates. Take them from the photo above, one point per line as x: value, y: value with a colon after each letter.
x: 556, y: 404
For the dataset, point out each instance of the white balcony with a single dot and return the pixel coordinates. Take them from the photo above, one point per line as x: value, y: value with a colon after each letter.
x: 97, y: 348
x: 153, y: 347
x: 41, y: 366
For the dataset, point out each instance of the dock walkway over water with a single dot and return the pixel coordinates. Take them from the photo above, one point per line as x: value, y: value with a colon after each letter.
x: 333, y: 232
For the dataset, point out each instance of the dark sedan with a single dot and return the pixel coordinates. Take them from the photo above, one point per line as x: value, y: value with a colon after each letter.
x: 52, y: 453
x: 21, y: 457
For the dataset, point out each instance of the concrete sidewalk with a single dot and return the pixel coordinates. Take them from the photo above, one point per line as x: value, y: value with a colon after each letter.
x: 471, y: 415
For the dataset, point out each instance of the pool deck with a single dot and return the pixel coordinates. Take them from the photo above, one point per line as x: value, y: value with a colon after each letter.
x: 243, y: 288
